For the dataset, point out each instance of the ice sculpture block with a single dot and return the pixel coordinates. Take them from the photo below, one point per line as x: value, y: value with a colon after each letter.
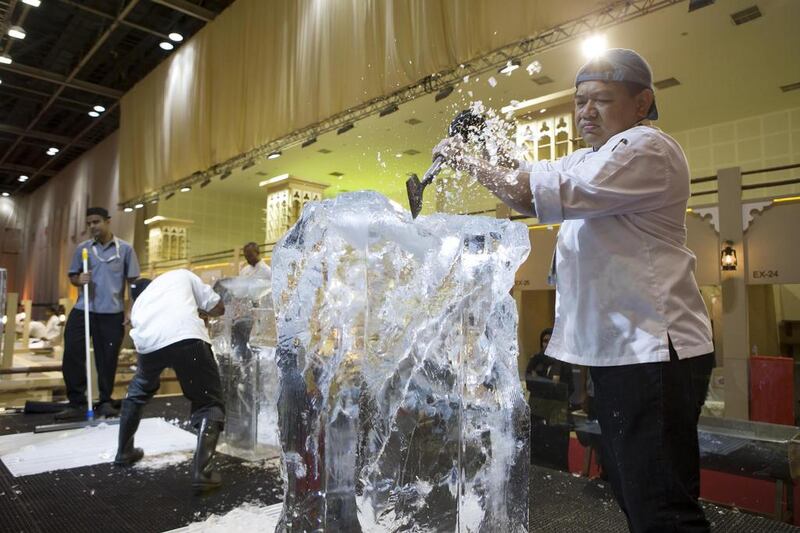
x: 400, y: 406
x: 243, y: 341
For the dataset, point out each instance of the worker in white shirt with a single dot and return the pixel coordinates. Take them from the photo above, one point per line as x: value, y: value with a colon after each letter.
x: 255, y: 267
x: 168, y: 331
x: 627, y: 302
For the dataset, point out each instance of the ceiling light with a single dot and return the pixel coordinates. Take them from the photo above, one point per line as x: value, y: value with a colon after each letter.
x: 345, y: 128
x: 138, y: 206
x: 1, y: 82
x: 697, y: 4
x: 52, y: 150
x: 309, y: 142
x: 225, y: 175
x: 16, y: 32
x: 274, y: 155
x: 166, y: 45
x: 154, y: 201
x: 128, y: 209
x: 176, y: 37
x: 99, y: 108
x: 510, y: 67
x: 94, y: 114
x: 5, y: 194
x: 535, y: 67
x: 205, y: 183
x: 594, y: 46
x: 32, y: 3
x: 444, y: 93
x: 542, y: 111
x: 6, y: 60
x: 388, y: 110
x: 186, y: 188
x: 22, y: 179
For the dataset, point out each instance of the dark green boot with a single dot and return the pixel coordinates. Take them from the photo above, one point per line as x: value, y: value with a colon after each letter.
x: 129, y: 419
x: 203, y: 477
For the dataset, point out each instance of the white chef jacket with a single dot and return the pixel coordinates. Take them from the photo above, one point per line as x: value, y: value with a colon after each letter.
x: 166, y: 311
x: 260, y: 270
x: 624, y: 277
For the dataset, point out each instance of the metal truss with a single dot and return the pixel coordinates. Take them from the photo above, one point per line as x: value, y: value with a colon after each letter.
x: 611, y: 15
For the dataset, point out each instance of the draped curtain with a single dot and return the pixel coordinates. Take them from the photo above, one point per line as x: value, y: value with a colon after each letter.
x: 265, y: 68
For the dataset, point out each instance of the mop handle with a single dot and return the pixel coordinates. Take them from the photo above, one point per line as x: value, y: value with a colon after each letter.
x: 89, y: 410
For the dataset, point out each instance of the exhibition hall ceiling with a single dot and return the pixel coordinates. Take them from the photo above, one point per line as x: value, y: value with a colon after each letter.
x: 69, y: 56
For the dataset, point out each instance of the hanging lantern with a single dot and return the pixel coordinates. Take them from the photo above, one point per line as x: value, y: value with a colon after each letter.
x: 728, y: 258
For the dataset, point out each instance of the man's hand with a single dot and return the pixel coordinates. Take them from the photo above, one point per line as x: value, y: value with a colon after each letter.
x: 450, y: 149
x: 127, y: 320
x: 84, y: 278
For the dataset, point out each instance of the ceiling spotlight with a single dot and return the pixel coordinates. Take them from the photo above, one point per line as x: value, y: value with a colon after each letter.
x: 154, y: 201
x: 274, y: 155
x: 52, y: 150
x: 543, y: 110
x: 1, y: 82
x: 309, y: 142
x: 225, y: 175
x: 388, y: 110
x: 594, y: 46
x: 169, y: 195
x: 176, y: 37
x: 345, y: 128
x: 128, y: 209
x: 205, y: 183
x: 186, y: 188
x: 697, y: 4
x: 94, y: 114
x: 248, y: 164
x: 22, y: 179
x: 166, y: 45
x: 510, y: 67
x: 138, y: 206
x: 32, y: 3
x: 99, y: 108
x: 6, y: 60
x: 16, y: 32
x: 444, y: 93
x: 5, y: 194
x: 535, y: 67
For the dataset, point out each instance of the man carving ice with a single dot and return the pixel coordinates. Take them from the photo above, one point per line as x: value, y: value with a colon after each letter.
x: 627, y: 302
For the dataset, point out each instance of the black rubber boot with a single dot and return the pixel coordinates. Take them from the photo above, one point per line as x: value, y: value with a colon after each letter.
x: 203, y: 477
x: 128, y: 424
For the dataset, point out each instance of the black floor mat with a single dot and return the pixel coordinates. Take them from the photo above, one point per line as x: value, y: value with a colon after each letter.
x: 103, y: 498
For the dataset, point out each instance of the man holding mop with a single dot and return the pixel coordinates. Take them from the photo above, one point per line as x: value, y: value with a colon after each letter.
x: 111, y: 262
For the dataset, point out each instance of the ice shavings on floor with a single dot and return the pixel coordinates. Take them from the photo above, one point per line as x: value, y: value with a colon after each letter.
x: 26, y: 454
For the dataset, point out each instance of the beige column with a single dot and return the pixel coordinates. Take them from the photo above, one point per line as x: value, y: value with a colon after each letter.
x: 27, y: 307
x: 7, y: 357
x: 735, y: 335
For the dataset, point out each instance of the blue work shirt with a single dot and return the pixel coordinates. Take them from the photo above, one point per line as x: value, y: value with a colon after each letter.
x: 110, y: 264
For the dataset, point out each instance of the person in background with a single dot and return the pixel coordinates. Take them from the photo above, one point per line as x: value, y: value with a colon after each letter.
x: 168, y: 331
x: 46, y: 331
x: 255, y: 267
x: 112, y: 264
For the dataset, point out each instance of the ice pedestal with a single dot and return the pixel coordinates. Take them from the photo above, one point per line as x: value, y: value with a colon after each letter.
x: 400, y: 404
x: 243, y: 340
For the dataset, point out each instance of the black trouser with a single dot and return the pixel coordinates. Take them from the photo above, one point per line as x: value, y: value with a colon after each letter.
x: 197, y: 372
x: 648, y: 416
x: 107, y: 331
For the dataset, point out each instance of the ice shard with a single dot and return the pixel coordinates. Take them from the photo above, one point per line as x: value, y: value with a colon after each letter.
x: 400, y: 406
x: 243, y: 341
